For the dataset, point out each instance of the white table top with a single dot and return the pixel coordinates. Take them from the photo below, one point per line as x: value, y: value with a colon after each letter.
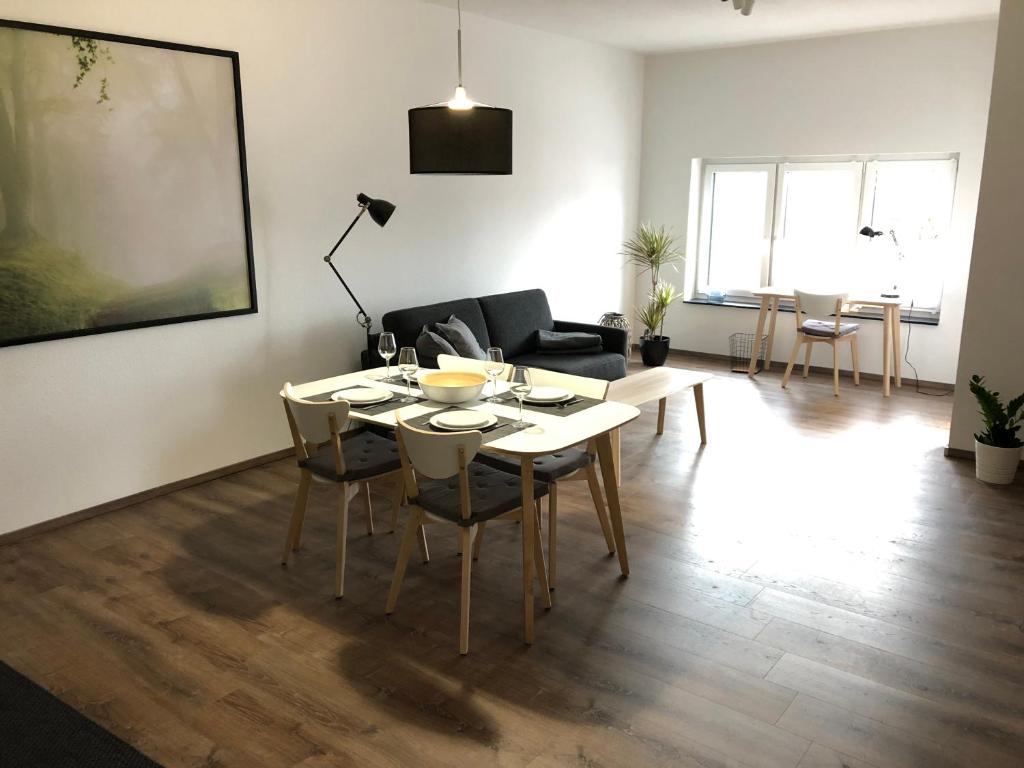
x: 654, y: 384
x: 551, y: 434
x: 770, y: 291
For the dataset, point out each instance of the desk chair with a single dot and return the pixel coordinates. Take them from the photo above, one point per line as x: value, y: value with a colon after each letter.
x: 816, y: 327
x: 350, y: 460
x: 565, y: 466
x: 444, y: 485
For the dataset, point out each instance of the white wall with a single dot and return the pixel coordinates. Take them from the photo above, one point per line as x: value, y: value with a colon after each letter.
x: 994, y: 315
x: 913, y: 90
x: 326, y: 85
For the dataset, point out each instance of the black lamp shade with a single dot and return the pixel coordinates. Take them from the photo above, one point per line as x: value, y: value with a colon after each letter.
x: 869, y: 232
x: 380, y: 210
x: 470, y: 141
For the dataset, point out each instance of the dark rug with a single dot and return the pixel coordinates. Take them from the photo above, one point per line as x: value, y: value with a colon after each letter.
x: 38, y: 730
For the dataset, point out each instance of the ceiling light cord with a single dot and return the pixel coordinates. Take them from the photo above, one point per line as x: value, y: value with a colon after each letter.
x: 459, y: 34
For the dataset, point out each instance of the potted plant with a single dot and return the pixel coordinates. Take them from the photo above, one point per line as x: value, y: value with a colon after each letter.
x: 997, y: 448
x: 651, y: 249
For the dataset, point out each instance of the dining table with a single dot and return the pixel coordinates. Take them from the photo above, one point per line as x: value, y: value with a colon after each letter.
x: 552, y: 429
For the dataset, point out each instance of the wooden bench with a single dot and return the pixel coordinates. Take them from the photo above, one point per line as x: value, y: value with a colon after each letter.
x: 658, y: 384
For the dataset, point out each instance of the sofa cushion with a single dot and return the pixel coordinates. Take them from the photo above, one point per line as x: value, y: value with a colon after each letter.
x: 429, y: 345
x: 567, y: 341
x: 407, y: 323
x: 461, y: 338
x: 513, y: 320
x: 603, y: 365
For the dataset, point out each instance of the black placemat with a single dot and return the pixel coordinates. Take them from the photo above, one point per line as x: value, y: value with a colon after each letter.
x: 370, y: 410
x: 503, y: 427
x: 399, y: 379
x: 577, y: 404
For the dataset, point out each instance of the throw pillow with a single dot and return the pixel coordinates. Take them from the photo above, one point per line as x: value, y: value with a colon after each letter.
x: 573, y: 341
x: 429, y: 345
x: 461, y: 337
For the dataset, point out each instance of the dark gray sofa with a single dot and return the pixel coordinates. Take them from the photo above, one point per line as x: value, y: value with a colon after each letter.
x: 511, y: 321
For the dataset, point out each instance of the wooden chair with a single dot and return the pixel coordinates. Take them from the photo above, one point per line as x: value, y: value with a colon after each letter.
x: 456, y: 363
x: 445, y: 485
x: 568, y: 465
x: 817, y: 327
x: 350, y: 460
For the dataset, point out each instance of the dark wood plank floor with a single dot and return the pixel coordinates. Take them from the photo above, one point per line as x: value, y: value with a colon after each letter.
x: 817, y: 587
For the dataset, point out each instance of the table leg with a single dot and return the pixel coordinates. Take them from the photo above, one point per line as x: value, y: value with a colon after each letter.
x: 756, y: 346
x: 896, y: 347
x: 886, y: 350
x: 611, y: 490
x: 698, y: 401
x: 771, y: 334
x: 526, y: 473
x: 616, y: 439
x: 661, y: 415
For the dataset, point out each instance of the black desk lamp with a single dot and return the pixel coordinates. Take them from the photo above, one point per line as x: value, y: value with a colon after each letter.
x: 380, y: 212
x: 868, y: 232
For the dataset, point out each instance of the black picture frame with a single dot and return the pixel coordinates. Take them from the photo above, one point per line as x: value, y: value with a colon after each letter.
x: 233, y: 57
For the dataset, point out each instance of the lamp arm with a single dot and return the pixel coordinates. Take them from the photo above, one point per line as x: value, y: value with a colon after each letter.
x: 361, y: 317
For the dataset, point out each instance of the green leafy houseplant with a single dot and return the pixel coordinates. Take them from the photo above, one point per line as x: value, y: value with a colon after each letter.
x: 651, y: 249
x: 1001, y: 424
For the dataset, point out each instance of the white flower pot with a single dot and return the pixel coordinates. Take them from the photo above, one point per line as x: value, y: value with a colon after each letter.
x: 995, y: 465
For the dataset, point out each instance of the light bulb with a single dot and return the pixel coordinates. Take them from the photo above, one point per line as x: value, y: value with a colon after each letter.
x: 460, y: 100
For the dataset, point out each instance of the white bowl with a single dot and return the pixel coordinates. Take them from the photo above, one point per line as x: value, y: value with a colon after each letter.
x: 452, y: 386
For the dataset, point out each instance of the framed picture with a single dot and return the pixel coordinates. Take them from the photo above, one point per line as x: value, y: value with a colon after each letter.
x: 123, y: 191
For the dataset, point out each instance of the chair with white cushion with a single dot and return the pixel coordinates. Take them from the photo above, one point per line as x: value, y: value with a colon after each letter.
x: 576, y: 463
x: 445, y: 485
x: 348, y: 459
x: 819, y: 318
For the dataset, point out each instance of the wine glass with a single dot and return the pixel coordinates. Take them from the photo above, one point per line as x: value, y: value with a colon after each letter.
x: 386, y: 347
x: 408, y: 365
x: 521, y: 385
x: 493, y: 365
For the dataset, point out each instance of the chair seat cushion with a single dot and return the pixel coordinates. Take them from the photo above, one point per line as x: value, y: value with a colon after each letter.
x: 545, y: 468
x: 491, y: 493
x: 366, y: 455
x: 827, y: 329
x: 603, y: 365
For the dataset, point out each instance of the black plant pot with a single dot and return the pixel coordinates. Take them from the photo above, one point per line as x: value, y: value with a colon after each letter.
x: 654, y: 350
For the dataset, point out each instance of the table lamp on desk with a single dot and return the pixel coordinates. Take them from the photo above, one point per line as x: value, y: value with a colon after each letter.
x: 894, y: 292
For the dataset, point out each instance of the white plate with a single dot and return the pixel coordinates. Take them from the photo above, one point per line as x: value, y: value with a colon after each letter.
x: 548, y: 395
x: 463, y: 420
x: 362, y: 395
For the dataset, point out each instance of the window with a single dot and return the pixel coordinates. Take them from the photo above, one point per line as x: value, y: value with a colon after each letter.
x: 791, y: 223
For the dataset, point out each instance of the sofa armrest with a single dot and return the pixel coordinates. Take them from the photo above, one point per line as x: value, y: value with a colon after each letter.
x: 612, y: 339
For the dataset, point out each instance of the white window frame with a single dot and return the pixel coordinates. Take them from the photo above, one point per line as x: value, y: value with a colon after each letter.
x: 775, y: 167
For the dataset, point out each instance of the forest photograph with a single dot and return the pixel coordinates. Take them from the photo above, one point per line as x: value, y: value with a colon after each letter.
x: 122, y: 185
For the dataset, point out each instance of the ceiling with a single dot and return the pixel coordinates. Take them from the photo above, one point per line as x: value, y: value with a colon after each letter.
x: 673, y: 25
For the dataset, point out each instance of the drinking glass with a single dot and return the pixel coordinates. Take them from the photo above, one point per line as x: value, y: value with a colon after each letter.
x: 386, y: 347
x: 408, y: 365
x: 521, y: 385
x: 493, y: 365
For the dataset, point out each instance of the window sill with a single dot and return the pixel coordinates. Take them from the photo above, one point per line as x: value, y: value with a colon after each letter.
x: 756, y: 304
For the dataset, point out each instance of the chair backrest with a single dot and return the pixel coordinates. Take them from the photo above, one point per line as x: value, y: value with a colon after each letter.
x: 578, y: 385
x: 313, y: 423
x: 818, y: 306
x: 438, y: 456
x: 456, y: 363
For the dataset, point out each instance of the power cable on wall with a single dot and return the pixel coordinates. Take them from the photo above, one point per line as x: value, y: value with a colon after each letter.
x: 906, y: 359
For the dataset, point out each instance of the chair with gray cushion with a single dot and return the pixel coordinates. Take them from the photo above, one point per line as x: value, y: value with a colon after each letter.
x: 819, y: 318
x: 576, y: 463
x: 445, y: 485
x: 348, y: 459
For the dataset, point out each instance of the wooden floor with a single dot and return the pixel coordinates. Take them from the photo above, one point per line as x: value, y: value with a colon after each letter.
x: 817, y: 587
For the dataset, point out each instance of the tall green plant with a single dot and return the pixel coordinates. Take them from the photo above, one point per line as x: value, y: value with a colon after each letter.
x: 650, y: 250
x: 1001, y: 424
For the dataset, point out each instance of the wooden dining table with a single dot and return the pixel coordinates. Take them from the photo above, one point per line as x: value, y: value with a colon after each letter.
x: 771, y: 297
x: 551, y: 432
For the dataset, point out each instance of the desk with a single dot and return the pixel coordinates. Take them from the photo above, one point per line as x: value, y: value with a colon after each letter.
x: 551, y: 434
x: 891, y: 365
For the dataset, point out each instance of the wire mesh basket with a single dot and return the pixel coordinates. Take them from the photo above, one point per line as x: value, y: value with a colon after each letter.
x: 741, y: 346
